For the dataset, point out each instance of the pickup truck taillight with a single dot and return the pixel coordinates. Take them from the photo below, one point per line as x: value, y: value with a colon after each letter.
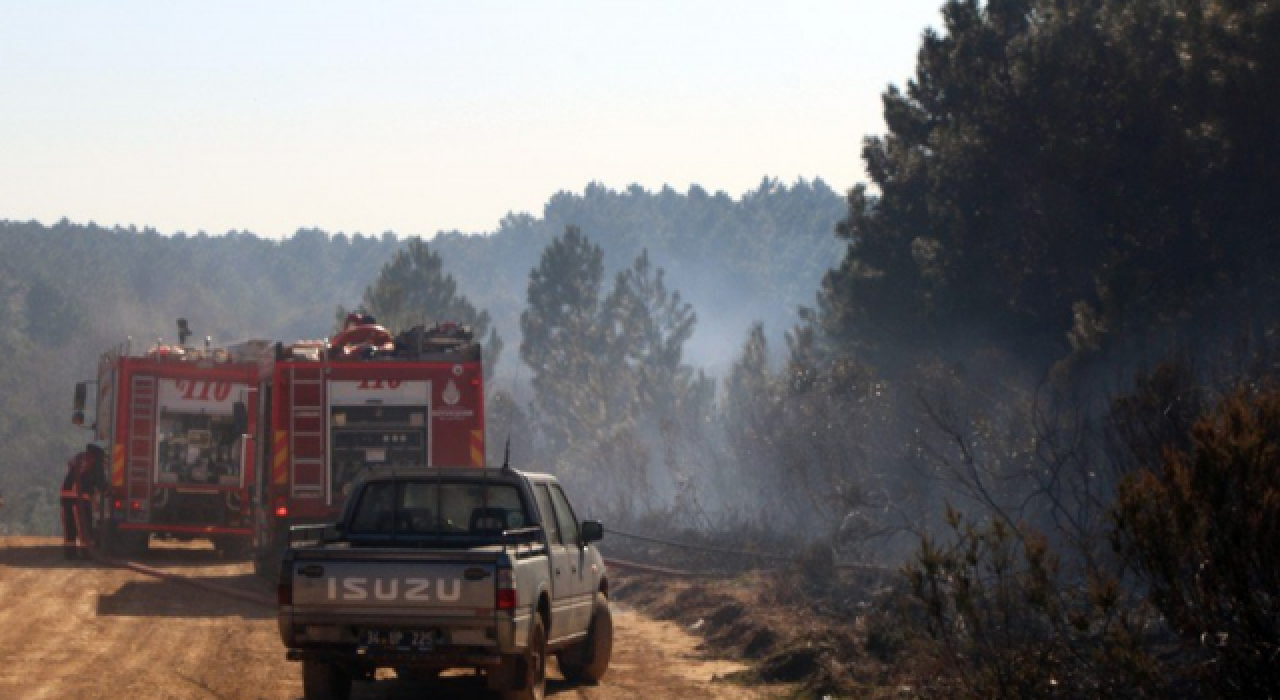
x: 506, y: 582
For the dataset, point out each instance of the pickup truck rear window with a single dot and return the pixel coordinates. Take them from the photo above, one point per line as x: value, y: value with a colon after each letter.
x: 438, y: 508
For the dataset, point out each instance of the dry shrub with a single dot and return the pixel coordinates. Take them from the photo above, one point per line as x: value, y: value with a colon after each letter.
x: 1203, y: 530
x: 996, y: 621
x: 1196, y: 531
x: 886, y: 637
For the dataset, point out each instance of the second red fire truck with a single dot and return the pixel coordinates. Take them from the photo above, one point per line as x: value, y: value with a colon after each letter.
x: 362, y: 399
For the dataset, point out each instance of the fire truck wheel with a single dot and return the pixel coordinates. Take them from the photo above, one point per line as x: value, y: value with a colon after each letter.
x: 129, y: 544
x: 107, y: 538
x: 266, y: 561
x: 260, y: 567
x: 419, y: 675
x: 323, y: 681
x: 235, y: 548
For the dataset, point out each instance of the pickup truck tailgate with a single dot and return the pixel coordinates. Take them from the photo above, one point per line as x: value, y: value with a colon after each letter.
x: 368, y: 582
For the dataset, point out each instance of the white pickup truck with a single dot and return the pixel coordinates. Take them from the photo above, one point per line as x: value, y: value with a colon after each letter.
x: 436, y: 568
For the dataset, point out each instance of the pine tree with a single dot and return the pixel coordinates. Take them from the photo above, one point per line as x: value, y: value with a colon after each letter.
x: 412, y: 289
x: 609, y: 378
x: 509, y: 429
x: 561, y: 337
x: 1074, y: 169
x: 652, y: 325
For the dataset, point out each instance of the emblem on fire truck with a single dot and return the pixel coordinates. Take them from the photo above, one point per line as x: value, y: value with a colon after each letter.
x: 451, y: 395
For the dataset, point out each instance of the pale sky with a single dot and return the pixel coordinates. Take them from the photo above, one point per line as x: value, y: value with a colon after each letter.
x: 421, y: 116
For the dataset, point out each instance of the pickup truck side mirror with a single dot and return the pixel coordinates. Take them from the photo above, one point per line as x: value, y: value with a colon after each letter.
x: 592, y: 531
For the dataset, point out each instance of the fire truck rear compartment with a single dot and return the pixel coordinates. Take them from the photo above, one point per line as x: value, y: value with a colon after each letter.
x: 365, y: 436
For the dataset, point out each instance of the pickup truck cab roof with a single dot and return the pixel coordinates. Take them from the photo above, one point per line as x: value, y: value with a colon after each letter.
x: 495, y: 473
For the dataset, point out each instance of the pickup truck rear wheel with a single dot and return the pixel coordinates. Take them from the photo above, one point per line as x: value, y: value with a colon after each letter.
x: 322, y: 681
x: 533, y: 684
x: 589, y: 660
x: 128, y: 544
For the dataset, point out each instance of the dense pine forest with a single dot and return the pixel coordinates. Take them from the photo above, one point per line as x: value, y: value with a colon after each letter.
x: 1032, y: 362
x: 71, y: 291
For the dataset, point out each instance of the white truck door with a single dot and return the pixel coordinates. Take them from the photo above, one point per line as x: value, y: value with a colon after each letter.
x: 580, y: 595
x: 561, y: 564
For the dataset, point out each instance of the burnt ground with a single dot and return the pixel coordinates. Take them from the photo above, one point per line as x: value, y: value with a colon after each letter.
x: 831, y: 643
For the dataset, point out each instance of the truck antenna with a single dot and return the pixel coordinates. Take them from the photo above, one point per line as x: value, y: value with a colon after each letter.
x: 506, y: 452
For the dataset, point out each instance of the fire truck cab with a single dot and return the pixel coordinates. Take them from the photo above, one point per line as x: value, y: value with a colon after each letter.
x: 360, y: 400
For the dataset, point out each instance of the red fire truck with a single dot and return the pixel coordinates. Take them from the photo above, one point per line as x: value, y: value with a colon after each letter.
x: 178, y: 425
x: 362, y: 399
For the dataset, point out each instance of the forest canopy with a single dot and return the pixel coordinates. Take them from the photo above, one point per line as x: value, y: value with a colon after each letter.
x: 1032, y: 363
x: 70, y: 291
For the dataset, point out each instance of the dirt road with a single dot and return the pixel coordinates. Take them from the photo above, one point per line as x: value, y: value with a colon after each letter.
x: 80, y: 631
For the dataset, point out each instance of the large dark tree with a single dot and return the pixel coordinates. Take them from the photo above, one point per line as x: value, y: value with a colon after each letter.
x: 1060, y: 173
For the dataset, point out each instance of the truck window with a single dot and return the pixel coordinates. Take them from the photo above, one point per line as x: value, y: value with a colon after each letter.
x: 429, y: 507
x: 375, y: 513
x: 564, y: 515
x: 548, y: 514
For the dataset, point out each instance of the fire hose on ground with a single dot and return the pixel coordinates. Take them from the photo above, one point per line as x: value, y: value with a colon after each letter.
x: 623, y: 564
x: 710, y: 549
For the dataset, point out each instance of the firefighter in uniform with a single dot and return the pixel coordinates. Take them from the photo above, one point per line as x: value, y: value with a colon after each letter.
x: 83, y: 480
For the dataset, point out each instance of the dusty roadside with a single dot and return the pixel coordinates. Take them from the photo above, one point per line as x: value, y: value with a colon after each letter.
x: 76, y: 630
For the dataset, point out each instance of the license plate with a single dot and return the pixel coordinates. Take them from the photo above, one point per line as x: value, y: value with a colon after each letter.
x: 419, y: 640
